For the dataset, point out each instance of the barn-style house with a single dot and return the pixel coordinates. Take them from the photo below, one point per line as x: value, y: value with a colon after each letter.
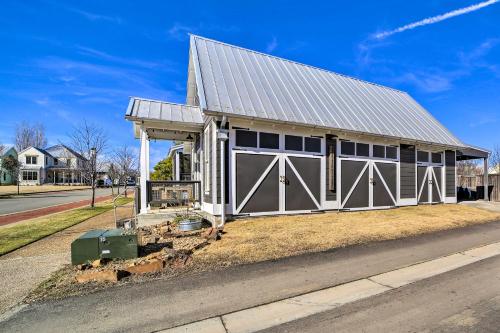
x: 267, y: 135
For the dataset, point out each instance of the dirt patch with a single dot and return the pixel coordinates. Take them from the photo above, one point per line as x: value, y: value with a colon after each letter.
x: 164, y: 252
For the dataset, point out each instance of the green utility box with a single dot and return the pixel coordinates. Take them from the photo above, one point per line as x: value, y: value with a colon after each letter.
x: 104, y: 244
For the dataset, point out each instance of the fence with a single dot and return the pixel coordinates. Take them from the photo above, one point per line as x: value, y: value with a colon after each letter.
x: 173, y: 193
x: 472, y: 183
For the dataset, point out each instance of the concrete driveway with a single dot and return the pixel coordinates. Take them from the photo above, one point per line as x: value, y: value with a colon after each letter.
x: 15, y: 204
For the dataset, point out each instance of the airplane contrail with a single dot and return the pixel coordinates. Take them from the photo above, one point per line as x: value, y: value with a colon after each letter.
x: 436, y: 19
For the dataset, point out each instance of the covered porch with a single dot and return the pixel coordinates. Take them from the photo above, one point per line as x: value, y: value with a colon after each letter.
x: 64, y: 176
x: 156, y: 120
x: 481, y: 183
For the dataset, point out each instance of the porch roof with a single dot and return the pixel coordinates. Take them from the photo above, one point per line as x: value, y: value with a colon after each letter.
x: 151, y: 110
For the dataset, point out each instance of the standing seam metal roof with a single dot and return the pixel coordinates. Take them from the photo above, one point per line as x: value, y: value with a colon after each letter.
x: 238, y: 81
x: 157, y: 110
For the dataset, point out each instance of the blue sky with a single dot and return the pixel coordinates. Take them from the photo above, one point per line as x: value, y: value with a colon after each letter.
x: 63, y: 61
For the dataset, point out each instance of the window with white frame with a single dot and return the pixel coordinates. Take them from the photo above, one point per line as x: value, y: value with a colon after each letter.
x: 30, y: 175
x: 206, y: 158
x: 31, y: 159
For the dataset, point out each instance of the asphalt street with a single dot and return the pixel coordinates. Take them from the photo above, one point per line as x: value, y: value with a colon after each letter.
x: 14, y: 204
x: 162, y: 304
x: 463, y: 300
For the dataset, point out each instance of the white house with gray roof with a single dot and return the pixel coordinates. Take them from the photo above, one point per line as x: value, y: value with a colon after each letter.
x: 273, y: 136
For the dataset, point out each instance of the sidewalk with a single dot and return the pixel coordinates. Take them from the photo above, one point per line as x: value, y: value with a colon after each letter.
x: 164, y: 304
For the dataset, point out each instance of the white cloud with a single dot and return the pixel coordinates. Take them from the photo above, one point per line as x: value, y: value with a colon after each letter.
x: 93, y: 16
x: 272, y: 45
x: 436, y: 19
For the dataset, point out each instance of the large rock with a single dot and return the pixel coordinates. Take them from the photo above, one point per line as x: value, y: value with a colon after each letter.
x: 98, y: 276
x: 152, y: 266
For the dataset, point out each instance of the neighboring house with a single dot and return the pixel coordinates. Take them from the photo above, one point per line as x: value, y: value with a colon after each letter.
x: 67, y: 165
x: 181, y: 161
x: 58, y: 164
x: 5, y: 177
x: 273, y: 136
x: 34, y: 163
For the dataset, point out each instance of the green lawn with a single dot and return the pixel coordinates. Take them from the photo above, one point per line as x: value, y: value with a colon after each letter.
x: 24, y: 233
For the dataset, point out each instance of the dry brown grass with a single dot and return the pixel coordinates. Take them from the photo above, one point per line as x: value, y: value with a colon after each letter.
x: 258, y: 239
x: 12, y: 189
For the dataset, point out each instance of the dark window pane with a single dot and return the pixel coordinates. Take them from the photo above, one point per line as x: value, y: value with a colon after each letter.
x: 293, y: 142
x: 391, y: 152
x: 378, y: 151
x: 269, y: 140
x: 312, y: 145
x: 436, y: 158
x: 246, y: 138
x: 422, y: 156
x: 347, y: 148
x: 362, y: 149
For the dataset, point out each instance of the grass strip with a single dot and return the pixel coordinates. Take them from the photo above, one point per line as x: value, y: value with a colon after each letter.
x: 21, y: 234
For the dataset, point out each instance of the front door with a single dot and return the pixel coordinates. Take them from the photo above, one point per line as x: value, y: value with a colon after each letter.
x: 429, y: 184
x: 367, y: 184
x: 274, y: 183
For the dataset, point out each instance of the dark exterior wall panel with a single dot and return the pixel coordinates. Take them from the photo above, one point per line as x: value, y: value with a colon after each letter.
x: 407, y: 172
x: 450, y: 163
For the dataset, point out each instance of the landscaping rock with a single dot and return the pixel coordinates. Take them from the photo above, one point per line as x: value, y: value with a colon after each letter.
x: 96, y: 263
x: 152, y: 266
x: 98, y: 276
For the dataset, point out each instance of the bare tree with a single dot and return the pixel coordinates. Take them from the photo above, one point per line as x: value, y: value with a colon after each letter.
x: 114, y: 175
x: 12, y: 166
x: 30, y: 135
x: 127, y: 165
x: 89, y: 141
x: 467, y: 168
x: 2, y: 148
x: 495, y: 159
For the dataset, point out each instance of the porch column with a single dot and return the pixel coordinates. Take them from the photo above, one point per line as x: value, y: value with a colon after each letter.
x: 485, y: 181
x: 54, y: 177
x: 144, y: 169
x: 64, y: 177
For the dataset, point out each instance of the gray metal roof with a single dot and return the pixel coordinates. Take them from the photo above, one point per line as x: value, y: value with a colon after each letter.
x: 241, y: 82
x: 140, y: 108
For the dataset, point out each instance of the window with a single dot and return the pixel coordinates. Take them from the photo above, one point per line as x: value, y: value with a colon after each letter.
x: 391, y: 152
x: 56, y: 161
x: 312, y: 145
x: 379, y: 151
x: 293, y: 142
x: 269, y: 140
x: 30, y: 159
x: 246, y: 138
x: 206, y: 159
x: 362, y: 149
x: 436, y: 158
x: 422, y: 156
x: 30, y: 175
x: 68, y: 162
x: 347, y: 148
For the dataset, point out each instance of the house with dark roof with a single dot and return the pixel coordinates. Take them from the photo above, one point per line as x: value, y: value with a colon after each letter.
x: 5, y: 176
x: 273, y: 136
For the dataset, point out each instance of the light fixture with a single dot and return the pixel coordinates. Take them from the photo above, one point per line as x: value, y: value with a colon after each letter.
x: 189, y: 137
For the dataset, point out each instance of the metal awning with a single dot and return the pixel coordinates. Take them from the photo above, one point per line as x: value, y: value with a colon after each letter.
x: 471, y: 153
x: 164, y: 120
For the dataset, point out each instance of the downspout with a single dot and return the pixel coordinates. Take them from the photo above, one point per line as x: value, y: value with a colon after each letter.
x: 222, y: 136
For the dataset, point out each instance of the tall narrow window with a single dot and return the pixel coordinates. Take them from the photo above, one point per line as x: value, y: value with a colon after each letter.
x: 206, y: 158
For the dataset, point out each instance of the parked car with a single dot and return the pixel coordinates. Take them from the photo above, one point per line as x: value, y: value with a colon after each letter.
x: 104, y: 183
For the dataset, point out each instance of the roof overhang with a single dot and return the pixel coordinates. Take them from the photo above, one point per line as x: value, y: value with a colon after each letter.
x: 163, y: 120
x: 471, y: 153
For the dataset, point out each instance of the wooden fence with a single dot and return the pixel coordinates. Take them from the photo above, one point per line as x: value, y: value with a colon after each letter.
x: 472, y: 182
